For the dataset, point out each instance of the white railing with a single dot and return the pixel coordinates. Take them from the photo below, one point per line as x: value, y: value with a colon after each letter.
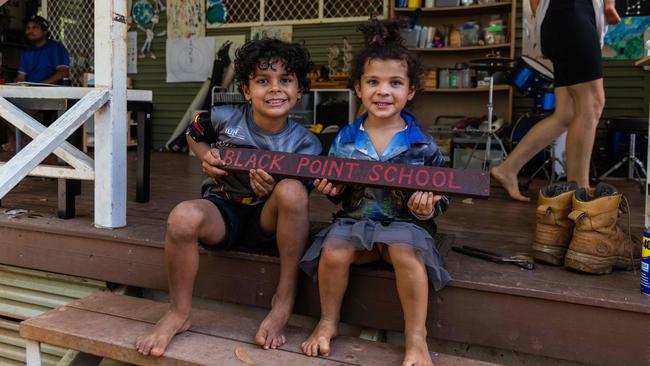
x: 107, y: 102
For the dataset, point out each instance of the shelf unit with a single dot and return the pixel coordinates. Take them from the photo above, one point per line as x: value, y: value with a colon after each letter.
x: 473, y: 101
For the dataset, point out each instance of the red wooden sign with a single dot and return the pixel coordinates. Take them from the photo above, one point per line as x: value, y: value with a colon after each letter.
x: 455, y: 182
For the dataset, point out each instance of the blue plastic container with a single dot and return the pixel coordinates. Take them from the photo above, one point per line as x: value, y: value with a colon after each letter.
x: 645, y: 263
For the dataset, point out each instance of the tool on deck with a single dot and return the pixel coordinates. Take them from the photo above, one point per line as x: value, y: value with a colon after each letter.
x: 521, y: 261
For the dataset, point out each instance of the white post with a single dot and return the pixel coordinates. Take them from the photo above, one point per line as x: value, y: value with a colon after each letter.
x: 32, y: 353
x: 110, y: 121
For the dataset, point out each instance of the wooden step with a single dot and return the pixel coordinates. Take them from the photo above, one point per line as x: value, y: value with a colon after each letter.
x: 107, y: 325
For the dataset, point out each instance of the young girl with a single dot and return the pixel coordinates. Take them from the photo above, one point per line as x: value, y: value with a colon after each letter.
x: 375, y: 223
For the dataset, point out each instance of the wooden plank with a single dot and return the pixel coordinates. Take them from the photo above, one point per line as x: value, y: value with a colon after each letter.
x: 44, y: 144
x: 33, y: 353
x: 225, y: 325
x: 236, y: 328
x: 114, y: 337
x: 472, y: 183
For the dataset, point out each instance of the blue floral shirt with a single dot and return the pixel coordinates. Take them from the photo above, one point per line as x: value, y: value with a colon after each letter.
x: 412, y: 145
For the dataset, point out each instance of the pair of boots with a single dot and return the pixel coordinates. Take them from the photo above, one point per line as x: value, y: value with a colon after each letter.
x: 577, y: 228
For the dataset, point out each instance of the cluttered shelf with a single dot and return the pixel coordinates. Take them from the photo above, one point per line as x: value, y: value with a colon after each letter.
x: 466, y: 90
x: 461, y: 49
x: 462, y: 10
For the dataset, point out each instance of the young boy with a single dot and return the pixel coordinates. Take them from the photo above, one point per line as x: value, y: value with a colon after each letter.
x: 243, y: 208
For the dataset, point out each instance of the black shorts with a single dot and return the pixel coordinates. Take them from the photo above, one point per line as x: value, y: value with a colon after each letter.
x: 571, y: 41
x: 243, y: 228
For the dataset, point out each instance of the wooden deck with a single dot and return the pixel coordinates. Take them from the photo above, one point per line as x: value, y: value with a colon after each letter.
x: 548, y: 311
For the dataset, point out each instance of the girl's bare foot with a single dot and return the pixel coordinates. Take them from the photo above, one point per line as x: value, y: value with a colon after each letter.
x: 417, y: 352
x: 611, y: 15
x: 318, y: 342
x: 509, y: 182
x: 270, y: 333
x: 156, y: 341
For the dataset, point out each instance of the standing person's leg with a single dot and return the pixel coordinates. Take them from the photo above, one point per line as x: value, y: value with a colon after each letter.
x: 188, y: 223
x: 333, y: 276
x: 413, y: 289
x: 540, y: 136
x: 589, y: 99
x: 286, y: 212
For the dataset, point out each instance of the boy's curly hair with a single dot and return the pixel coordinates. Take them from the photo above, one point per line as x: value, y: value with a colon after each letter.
x: 384, y: 42
x: 268, y: 52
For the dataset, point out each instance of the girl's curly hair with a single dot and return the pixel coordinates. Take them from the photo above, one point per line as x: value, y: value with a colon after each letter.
x: 384, y: 42
x: 268, y: 52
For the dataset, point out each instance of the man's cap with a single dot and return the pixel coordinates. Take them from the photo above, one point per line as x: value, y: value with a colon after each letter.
x: 42, y: 22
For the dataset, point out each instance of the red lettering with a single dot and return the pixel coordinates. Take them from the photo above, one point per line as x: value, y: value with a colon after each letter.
x: 228, y: 156
x: 451, y: 182
x: 374, y: 173
x: 261, y: 164
x: 351, y: 167
x: 237, y: 163
x: 333, y: 166
x: 387, y: 171
x: 275, y: 163
x: 418, y: 180
x: 322, y: 173
x: 437, y: 174
x: 313, y: 168
x: 252, y: 161
x: 301, y: 163
x: 409, y: 175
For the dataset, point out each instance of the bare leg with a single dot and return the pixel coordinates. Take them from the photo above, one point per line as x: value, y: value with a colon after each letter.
x: 413, y: 289
x: 189, y: 222
x: 589, y: 100
x: 287, y: 213
x: 540, y: 136
x: 333, y: 275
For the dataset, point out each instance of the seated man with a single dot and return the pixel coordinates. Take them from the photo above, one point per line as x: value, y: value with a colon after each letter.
x: 45, y: 61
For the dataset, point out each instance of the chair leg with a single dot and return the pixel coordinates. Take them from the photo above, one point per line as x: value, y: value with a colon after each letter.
x: 33, y: 353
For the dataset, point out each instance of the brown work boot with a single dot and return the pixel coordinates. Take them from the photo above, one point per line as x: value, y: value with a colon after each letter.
x: 598, y: 244
x: 553, y: 230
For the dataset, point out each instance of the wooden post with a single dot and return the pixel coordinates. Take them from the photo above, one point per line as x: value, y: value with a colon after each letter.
x: 110, y: 121
x: 33, y: 353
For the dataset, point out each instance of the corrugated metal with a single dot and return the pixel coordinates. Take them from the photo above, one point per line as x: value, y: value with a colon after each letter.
x: 25, y: 293
x: 171, y: 100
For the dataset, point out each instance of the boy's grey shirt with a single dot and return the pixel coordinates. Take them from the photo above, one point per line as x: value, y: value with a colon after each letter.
x: 234, y: 127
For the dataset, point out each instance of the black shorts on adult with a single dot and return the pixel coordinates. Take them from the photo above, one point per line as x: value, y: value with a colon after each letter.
x: 243, y: 228
x: 571, y: 41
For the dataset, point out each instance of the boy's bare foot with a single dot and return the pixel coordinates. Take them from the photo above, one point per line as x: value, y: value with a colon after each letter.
x: 156, y: 341
x: 270, y: 333
x: 417, y: 353
x: 611, y: 15
x: 509, y: 182
x: 318, y: 342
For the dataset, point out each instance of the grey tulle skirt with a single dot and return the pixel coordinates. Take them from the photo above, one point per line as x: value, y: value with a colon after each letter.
x: 364, y: 234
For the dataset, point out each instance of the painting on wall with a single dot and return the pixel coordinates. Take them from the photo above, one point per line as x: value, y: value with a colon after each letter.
x: 185, y: 18
x: 281, y: 32
x: 189, y: 59
x: 625, y: 40
x: 132, y: 53
x: 216, y: 13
